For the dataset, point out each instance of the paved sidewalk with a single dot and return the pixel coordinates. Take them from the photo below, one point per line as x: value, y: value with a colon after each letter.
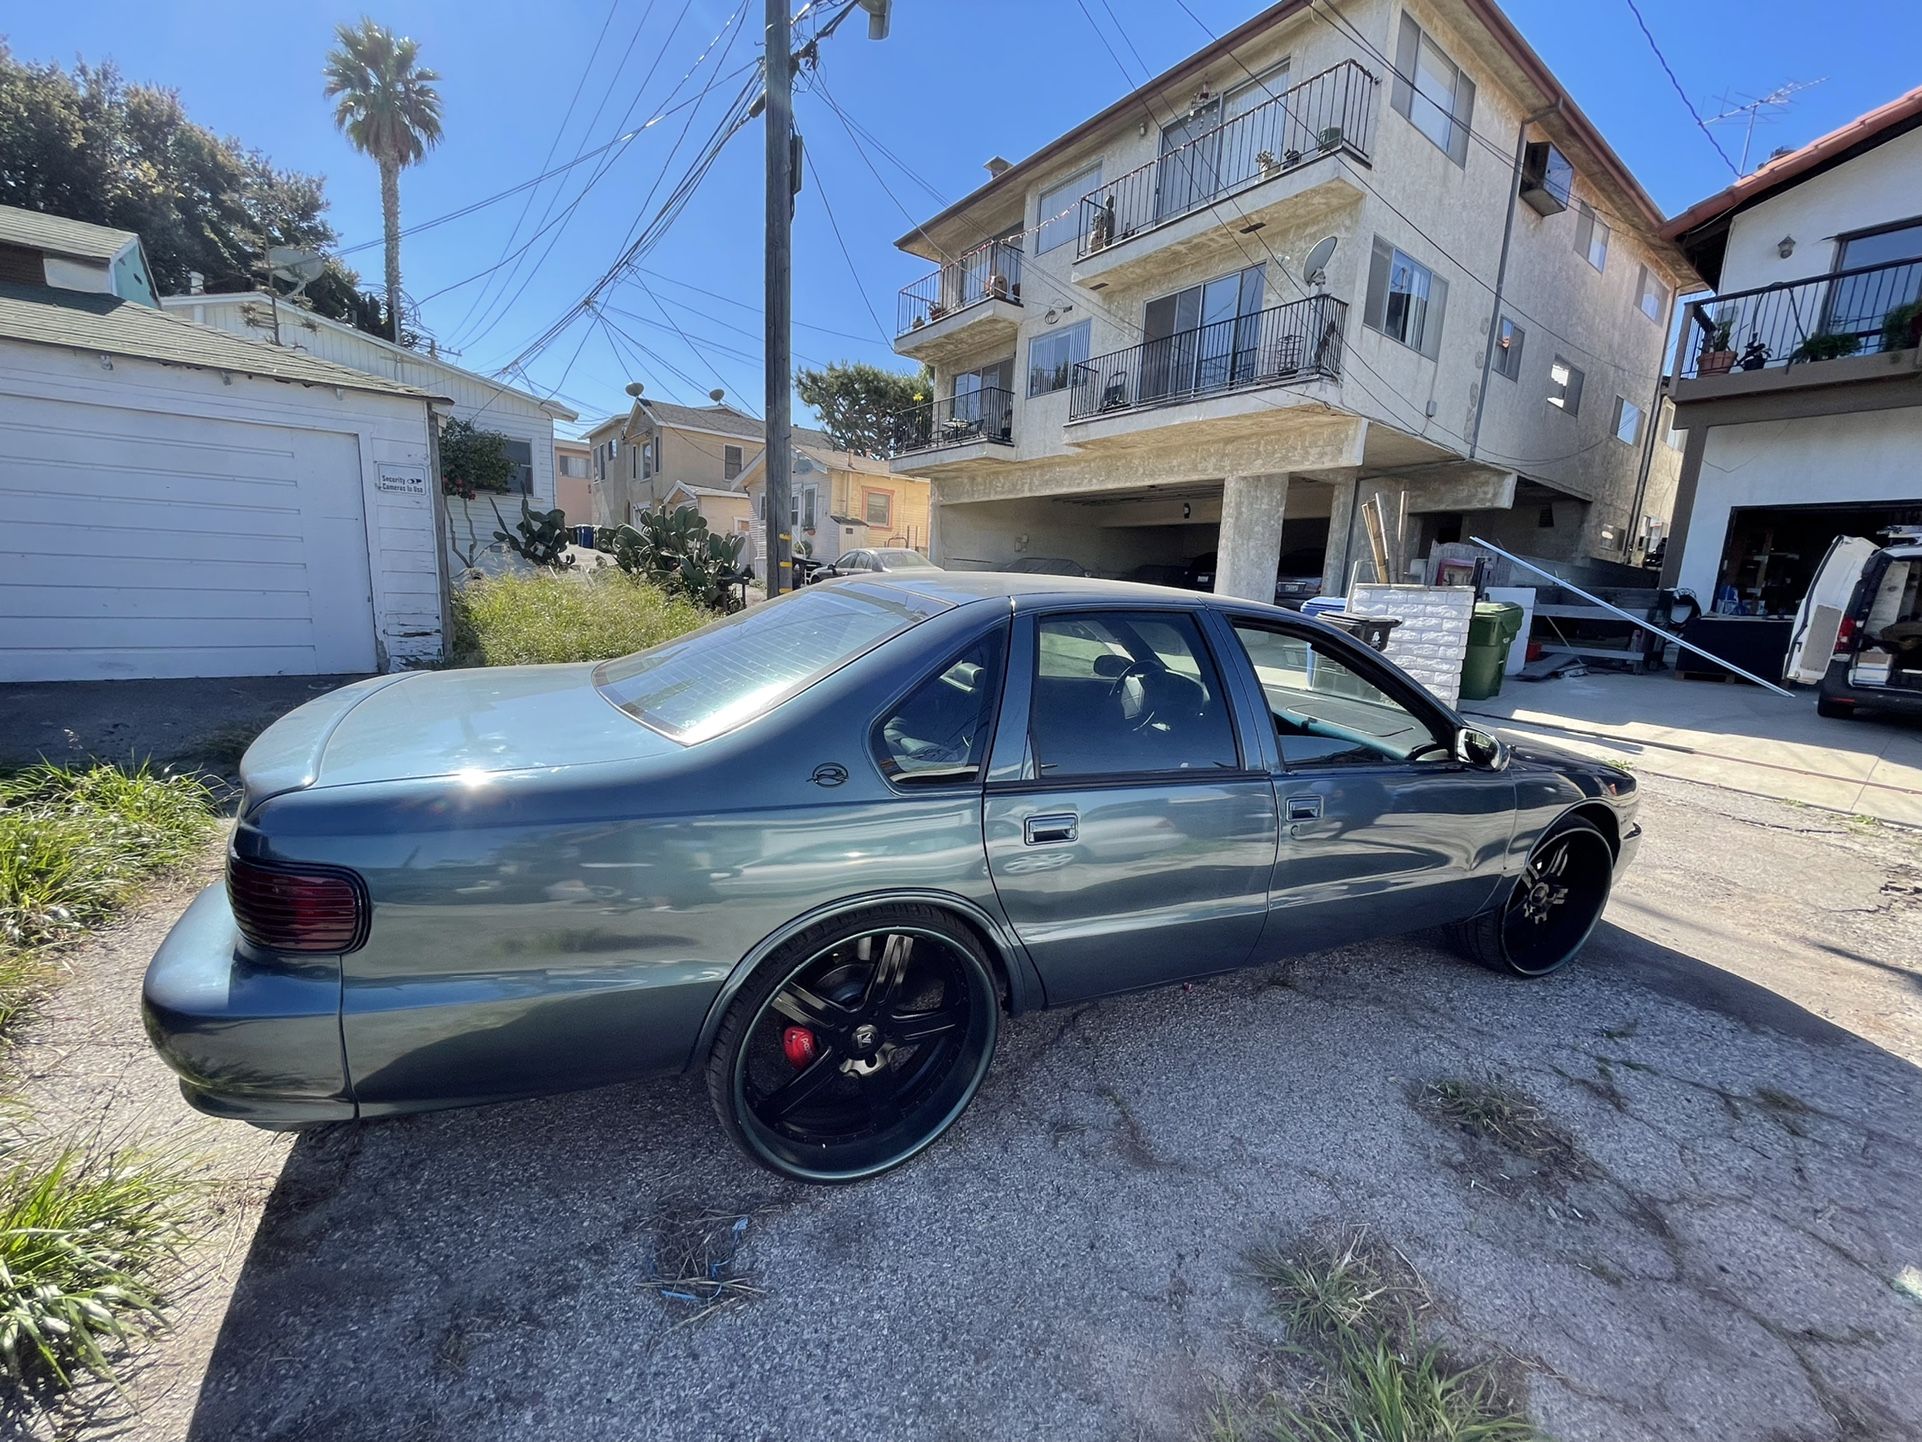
x: 1723, y: 734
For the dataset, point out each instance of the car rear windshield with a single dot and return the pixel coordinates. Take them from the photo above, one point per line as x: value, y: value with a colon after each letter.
x: 726, y: 674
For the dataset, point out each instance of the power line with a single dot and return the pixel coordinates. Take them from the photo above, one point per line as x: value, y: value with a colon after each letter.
x: 744, y: 305
x: 854, y: 273
x: 1668, y: 70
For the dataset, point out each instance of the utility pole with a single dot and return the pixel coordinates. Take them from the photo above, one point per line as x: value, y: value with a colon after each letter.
x: 781, y: 151
x: 780, y: 293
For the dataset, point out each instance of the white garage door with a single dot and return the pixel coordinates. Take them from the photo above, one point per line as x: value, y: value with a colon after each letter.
x: 134, y: 543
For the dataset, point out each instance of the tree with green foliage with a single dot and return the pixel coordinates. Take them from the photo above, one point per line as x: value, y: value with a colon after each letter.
x: 385, y: 103
x: 855, y: 400
x: 91, y: 146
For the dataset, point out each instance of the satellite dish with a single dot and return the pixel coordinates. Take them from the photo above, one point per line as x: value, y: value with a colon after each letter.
x: 297, y: 267
x: 1315, y: 268
x: 716, y: 396
x: 634, y: 388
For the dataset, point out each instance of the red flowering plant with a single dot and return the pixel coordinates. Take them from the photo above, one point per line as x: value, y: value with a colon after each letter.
x: 473, y: 460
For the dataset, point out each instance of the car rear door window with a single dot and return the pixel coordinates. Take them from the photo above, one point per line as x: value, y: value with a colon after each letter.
x: 1325, y: 711
x: 1119, y: 693
x: 938, y: 734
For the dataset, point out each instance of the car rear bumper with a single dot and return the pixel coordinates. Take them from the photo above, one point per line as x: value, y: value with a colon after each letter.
x: 1895, y: 700
x: 255, y: 1043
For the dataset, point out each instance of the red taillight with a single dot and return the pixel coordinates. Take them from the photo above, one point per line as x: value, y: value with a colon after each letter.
x: 1845, y: 637
x: 295, y: 908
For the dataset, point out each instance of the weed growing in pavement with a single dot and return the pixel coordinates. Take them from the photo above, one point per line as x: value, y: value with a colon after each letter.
x: 90, y: 1240
x: 1355, y: 1308
x: 1501, y: 1126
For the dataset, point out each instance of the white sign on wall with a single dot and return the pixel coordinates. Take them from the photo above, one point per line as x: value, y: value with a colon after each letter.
x: 407, y: 480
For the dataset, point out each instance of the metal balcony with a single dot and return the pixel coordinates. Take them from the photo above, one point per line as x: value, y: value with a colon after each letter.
x: 1862, y: 311
x: 984, y: 416
x: 1286, y: 345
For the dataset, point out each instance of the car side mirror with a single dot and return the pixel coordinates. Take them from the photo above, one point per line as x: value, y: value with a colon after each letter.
x: 1477, y: 748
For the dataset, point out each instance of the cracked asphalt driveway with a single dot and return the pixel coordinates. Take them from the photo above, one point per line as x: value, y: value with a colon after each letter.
x: 1714, y: 1254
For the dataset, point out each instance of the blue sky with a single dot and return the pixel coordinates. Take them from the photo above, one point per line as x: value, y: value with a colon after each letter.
x: 958, y: 81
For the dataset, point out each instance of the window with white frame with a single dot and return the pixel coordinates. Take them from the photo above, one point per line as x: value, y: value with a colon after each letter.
x: 1405, y: 299
x: 1052, y: 357
x: 1651, y: 295
x: 1508, y: 349
x: 1628, y: 421
x: 1591, y: 236
x: 1565, y: 386
x: 879, y: 508
x: 1058, y: 216
x: 1432, y: 92
x: 730, y: 462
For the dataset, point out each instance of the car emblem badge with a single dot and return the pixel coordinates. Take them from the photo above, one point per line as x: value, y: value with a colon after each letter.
x: 829, y: 774
x: 865, y: 1036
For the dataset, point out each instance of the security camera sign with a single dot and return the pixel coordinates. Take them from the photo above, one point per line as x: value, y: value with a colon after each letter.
x: 406, y: 480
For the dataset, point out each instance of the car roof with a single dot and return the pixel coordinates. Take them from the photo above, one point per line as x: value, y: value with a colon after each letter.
x: 958, y: 588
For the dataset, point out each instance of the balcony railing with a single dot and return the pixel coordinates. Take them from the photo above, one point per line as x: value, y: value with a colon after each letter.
x: 1287, y: 345
x: 1330, y: 112
x: 982, y: 415
x: 1847, y: 312
x: 988, y: 272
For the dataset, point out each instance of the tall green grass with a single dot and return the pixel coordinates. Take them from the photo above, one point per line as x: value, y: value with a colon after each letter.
x: 522, y: 620
x: 90, y: 1240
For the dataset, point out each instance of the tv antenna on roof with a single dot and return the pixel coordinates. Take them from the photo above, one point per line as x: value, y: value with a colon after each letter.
x: 1760, y: 106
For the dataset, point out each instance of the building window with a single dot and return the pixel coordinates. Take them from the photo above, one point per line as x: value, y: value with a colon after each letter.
x: 520, y: 455
x: 1651, y: 296
x: 1508, y: 349
x: 730, y: 462
x: 1431, y: 91
x: 880, y: 508
x: 1052, y: 358
x: 1628, y: 421
x: 801, y: 508
x: 1672, y: 438
x: 647, y: 459
x: 760, y: 505
x: 1405, y: 300
x: 1591, y: 236
x: 1565, y: 386
x: 1059, y: 217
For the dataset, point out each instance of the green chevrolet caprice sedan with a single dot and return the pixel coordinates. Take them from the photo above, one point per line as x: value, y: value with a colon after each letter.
x: 822, y: 848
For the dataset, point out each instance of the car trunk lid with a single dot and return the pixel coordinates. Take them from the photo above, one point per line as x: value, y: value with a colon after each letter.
x: 446, y: 723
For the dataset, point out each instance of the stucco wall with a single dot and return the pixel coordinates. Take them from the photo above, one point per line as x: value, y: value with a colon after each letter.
x: 1827, y: 460
x: 1879, y: 187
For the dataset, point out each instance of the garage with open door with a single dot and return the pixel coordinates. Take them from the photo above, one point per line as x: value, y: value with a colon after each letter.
x: 177, y: 502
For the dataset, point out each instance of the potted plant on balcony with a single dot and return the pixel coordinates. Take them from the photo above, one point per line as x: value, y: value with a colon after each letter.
x: 1715, y: 358
x: 997, y: 287
x: 1755, y: 355
x: 936, y: 310
x: 1902, y: 327
x: 1270, y: 167
x: 1825, y: 345
x: 1102, y: 229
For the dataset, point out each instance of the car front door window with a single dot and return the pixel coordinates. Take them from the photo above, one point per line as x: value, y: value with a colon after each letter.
x: 1118, y: 693
x: 1325, y: 711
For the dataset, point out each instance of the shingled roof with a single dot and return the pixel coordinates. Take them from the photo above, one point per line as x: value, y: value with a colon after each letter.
x: 57, y: 235
x: 722, y: 418
x: 108, y: 325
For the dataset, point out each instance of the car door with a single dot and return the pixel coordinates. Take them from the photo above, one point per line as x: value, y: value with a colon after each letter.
x: 1129, y: 835
x: 1383, y: 829
x: 1818, y: 620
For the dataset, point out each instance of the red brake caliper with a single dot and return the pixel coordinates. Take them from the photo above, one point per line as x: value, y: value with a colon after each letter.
x: 799, y: 1046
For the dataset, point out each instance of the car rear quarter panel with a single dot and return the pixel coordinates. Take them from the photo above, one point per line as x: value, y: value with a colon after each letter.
x: 540, y: 930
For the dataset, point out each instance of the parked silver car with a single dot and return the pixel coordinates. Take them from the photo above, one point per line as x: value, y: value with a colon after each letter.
x: 820, y: 848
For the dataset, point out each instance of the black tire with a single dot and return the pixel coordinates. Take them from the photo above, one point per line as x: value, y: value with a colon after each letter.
x: 1547, y: 915
x: 1835, y: 710
x: 898, y: 1012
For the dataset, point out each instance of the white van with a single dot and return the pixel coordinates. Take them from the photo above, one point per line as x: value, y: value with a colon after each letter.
x: 1858, y: 634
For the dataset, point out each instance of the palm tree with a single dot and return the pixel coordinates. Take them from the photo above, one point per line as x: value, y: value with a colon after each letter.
x: 389, y: 109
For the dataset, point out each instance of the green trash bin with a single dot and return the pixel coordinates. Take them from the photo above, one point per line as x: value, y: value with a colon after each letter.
x: 1490, y: 633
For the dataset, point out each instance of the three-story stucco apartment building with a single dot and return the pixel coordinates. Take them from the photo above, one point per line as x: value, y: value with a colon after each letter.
x: 1347, y: 249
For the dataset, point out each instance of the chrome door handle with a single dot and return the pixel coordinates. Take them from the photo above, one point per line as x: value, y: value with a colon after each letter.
x: 1062, y: 826
x: 1304, y: 808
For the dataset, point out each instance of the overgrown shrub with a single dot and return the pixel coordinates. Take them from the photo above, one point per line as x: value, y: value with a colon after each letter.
x: 75, y: 843
x: 473, y: 460
x: 90, y: 1240
x: 531, y: 620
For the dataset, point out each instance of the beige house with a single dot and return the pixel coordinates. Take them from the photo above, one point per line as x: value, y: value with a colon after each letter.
x: 843, y: 502
x: 637, y: 458
x: 1342, y: 250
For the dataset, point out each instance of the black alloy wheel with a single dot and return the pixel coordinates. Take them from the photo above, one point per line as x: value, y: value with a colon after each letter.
x: 1554, y: 906
x: 856, y: 1045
